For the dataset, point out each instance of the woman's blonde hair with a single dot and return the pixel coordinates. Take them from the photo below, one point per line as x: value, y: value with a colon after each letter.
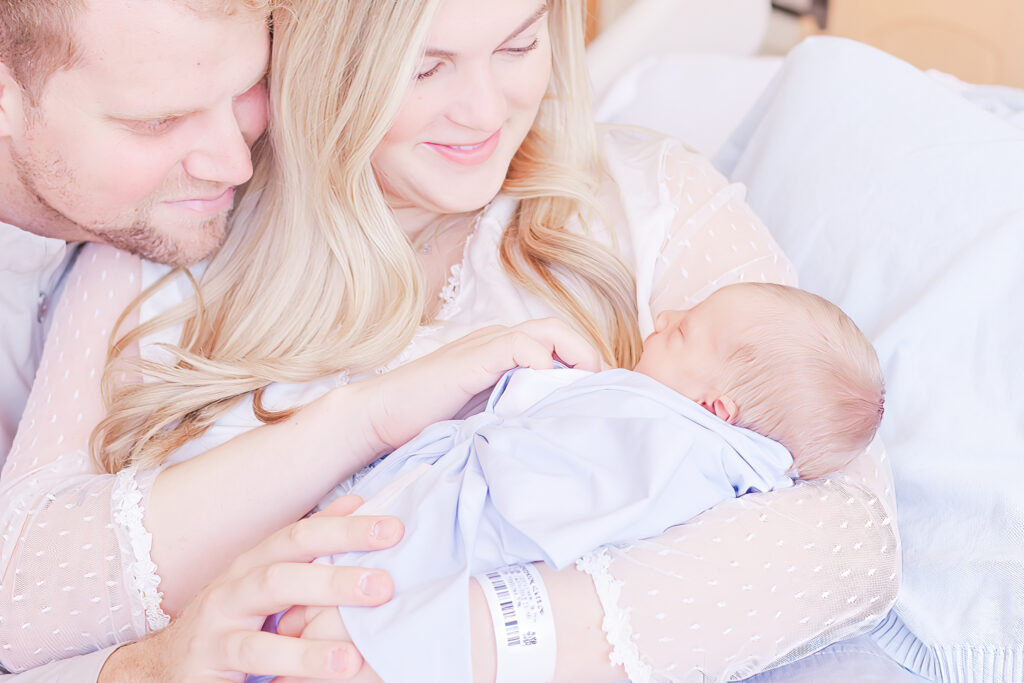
x: 316, y: 276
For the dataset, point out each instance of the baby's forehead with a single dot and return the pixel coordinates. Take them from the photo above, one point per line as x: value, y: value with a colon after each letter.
x: 757, y: 318
x: 741, y: 303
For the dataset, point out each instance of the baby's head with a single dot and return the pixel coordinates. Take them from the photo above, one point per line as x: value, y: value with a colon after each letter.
x: 777, y: 360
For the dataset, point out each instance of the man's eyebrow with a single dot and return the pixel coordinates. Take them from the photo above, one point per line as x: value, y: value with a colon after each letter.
x: 533, y: 19
x: 181, y: 113
x: 155, y: 117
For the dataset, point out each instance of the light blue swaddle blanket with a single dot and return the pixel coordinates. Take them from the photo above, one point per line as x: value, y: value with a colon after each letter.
x: 540, y: 474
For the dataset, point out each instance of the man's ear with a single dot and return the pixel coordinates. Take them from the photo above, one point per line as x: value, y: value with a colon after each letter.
x: 11, y: 106
x: 725, y: 408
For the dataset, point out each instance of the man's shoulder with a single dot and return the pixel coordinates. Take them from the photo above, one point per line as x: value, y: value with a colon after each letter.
x: 27, y: 253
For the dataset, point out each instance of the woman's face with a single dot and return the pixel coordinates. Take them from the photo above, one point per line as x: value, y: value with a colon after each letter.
x: 484, y: 72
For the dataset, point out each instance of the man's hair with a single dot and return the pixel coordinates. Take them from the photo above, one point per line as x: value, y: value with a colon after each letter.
x: 37, y: 39
x: 807, y: 377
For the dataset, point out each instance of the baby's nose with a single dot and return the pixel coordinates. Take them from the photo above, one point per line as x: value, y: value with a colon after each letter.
x: 660, y: 321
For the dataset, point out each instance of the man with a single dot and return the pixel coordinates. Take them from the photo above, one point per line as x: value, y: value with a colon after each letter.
x: 129, y: 122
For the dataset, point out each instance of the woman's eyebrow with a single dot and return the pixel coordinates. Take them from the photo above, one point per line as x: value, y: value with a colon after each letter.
x: 534, y: 18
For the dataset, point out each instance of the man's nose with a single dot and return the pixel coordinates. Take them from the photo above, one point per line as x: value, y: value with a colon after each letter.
x: 221, y: 154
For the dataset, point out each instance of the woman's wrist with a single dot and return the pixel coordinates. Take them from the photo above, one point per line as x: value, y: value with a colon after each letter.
x: 481, y: 632
x: 584, y: 654
x: 362, y: 404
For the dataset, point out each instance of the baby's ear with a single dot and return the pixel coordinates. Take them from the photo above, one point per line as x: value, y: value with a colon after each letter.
x: 725, y: 408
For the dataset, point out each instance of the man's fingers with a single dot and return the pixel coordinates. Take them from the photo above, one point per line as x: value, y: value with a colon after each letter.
x: 268, y: 654
x: 323, y: 534
x: 270, y: 589
x: 339, y: 507
x: 292, y: 622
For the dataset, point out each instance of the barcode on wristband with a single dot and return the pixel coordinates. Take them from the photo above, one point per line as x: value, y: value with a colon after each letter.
x: 508, y: 610
x: 523, y: 626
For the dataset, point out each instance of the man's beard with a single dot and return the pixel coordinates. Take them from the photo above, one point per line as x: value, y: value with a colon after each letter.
x: 143, y: 240
x: 138, y: 237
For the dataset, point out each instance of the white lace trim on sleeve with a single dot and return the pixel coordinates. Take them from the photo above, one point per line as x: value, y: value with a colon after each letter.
x: 616, y: 623
x: 140, y: 573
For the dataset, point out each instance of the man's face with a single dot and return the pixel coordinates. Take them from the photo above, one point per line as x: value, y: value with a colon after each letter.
x: 142, y: 144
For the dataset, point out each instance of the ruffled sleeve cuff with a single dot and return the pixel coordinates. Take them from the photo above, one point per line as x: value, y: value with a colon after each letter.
x: 128, y: 500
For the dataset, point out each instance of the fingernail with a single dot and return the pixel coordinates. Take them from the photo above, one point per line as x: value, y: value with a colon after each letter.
x: 370, y: 584
x: 384, y: 529
x: 337, y: 661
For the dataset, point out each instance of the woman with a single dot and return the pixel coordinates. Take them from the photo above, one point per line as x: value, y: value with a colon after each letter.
x: 383, y: 223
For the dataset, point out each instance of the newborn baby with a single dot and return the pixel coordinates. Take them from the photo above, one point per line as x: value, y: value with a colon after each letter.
x: 757, y: 384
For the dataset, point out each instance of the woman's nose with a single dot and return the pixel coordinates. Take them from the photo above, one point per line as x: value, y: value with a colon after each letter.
x: 480, y: 103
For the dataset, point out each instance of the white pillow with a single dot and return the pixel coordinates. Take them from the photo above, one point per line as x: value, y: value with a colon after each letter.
x: 652, y: 27
x: 903, y: 203
x: 697, y: 98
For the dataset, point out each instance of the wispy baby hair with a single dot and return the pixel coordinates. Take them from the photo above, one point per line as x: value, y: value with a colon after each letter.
x: 806, y: 376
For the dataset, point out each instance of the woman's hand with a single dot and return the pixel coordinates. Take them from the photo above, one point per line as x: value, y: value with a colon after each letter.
x: 219, y: 634
x: 435, y: 387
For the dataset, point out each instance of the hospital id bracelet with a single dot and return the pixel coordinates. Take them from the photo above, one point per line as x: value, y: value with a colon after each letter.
x: 524, y: 628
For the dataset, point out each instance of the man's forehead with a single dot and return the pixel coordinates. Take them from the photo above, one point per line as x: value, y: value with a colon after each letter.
x: 131, y: 49
x: 202, y: 7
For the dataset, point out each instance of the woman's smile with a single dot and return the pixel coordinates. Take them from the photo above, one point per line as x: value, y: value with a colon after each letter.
x: 468, y: 155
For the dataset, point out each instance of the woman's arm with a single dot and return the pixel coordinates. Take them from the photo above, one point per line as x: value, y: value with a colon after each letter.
x: 266, y: 477
x: 87, y: 555
x: 754, y: 582
x: 67, y: 560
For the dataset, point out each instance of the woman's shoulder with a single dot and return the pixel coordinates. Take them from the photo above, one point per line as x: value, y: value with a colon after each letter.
x: 635, y: 146
x: 103, y: 278
x: 96, y: 256
x: 651, y: 168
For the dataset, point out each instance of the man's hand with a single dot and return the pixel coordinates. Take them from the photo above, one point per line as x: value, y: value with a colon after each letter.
x: 218, y: 636
x: 321, y: 624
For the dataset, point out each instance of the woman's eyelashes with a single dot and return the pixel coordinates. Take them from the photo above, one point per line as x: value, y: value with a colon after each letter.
x: 523, y: 50
x: 429, y: 72
x: 514, y: 51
